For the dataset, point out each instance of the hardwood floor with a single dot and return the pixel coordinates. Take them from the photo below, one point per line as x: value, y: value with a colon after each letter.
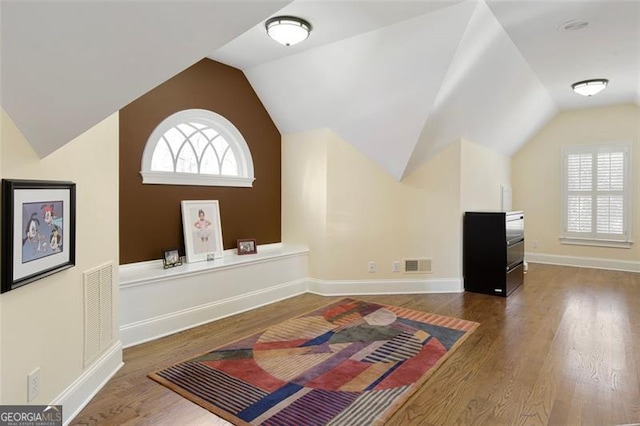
x: 564, y: 349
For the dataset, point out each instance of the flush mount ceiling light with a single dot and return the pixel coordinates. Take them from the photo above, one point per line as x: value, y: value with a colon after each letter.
x: 575, y: 25
x: 590, y: 87
x: 288, y: 30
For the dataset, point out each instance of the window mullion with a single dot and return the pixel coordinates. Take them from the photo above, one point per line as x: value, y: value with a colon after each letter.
x: 215, y: 151
x: 224, y: 154
x: 174, y: 157
x: 200, y: 158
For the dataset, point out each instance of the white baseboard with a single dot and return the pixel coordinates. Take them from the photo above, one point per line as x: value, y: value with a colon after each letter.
x: 373, y: 287
x: 154, y: 328
x: 75, y: 397
x: 583, y: 262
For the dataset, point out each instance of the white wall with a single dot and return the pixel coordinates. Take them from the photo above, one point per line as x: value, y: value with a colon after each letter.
x: 42, y: 323
x: 537, y: 177
x: 359, y: 212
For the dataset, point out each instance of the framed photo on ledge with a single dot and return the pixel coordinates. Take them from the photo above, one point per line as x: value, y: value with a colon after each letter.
x: 247, y: 246
x: 202, y: 230
x: 38, y: 230
x: 171, y: 258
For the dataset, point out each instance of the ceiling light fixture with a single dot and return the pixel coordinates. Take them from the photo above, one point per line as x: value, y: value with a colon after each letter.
x: 288, y: 30
x: 590, y: 87
x: 575, y: 25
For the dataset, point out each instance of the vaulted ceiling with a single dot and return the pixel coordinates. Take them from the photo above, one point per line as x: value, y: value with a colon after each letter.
x: 398, y: 80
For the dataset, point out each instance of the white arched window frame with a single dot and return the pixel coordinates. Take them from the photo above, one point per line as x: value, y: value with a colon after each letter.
x: 203, y: 124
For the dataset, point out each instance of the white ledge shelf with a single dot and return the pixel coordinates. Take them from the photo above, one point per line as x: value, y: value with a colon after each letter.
x: 143, y: 272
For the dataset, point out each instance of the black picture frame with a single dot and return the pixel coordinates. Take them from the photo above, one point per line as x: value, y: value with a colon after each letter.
x: 170, y: 258
x: 38, y: 230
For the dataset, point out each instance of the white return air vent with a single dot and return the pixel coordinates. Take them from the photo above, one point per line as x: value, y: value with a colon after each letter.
x: 98, y: 311
x: 417, y: 266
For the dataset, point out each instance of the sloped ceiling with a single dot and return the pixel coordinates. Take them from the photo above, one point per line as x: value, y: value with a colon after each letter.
x: 67, y: 65
x: 399, y: 80
x: 374, y: 89
x: 492, y: 72
x: 403, y: 92
x: 490, y: 95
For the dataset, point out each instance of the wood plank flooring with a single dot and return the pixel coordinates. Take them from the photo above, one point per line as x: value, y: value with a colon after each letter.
x: 564, y: 349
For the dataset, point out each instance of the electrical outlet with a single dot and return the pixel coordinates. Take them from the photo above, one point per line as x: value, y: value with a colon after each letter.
x: 371, y: 266
x: 534, y: 244
x: 33, y: 384
x: 395, y: 266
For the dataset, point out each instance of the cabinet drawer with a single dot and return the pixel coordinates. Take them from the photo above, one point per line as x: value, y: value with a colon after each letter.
x: 515, y: 253
x: 515, y: 277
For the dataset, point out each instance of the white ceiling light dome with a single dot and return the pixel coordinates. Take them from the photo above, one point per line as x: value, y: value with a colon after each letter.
x: 590, y: 87
x: 288, y: 30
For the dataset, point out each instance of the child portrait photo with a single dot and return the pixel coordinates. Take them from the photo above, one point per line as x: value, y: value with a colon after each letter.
x: 202, y: 230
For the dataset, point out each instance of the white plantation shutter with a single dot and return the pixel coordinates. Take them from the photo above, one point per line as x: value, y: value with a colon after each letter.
x: 610, y: 193
x: 596, y: 192
x: 580, y: 196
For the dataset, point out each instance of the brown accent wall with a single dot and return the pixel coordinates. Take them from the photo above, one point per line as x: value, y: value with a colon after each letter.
x: 150, y: 217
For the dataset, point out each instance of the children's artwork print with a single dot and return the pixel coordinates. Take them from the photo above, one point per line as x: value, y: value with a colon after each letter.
x: 42, y: 225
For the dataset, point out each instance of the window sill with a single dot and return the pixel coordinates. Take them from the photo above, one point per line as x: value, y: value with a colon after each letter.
x: 596, y: 243
x: 164, y: 178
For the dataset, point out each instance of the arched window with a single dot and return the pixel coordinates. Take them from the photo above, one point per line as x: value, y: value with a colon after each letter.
x: 197, y: 147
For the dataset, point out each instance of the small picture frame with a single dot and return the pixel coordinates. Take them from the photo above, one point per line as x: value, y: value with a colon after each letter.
x: 247, y: 246
x: 171, y: 258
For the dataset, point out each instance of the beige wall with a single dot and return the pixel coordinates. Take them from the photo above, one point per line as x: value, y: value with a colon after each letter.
x: 537, y: 176
x: 304, y: 193
x: 353, y: 211
x: 483, y: 173
x: 42, y: 322
x: 372, y: 216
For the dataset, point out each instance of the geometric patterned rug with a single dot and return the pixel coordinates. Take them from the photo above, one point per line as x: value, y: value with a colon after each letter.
x: 348, y: 363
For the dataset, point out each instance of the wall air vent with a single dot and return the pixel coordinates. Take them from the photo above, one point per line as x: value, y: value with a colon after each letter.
x: 98, y: 311
x: 417, y: 266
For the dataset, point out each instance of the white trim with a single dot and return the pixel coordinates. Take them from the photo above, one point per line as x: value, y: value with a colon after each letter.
x: 77, y: 395
x: 595, y: 243
x: 377, y: 287
x: 155, y: 328
x: 149, y: 329
x: 626, y: 193
x: 171, y: 178
x: 583, y: 262
x: 224, y: 128
x: 151, y: 272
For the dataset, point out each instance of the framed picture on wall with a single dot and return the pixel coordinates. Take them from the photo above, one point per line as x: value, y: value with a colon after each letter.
x: 202, y: 230
x: 38, y: 230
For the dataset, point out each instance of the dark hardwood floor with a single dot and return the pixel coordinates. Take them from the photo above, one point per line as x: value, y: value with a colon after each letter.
x: 564, y: 349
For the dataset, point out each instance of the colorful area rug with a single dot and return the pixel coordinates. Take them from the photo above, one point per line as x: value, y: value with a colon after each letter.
x: 349, y: 363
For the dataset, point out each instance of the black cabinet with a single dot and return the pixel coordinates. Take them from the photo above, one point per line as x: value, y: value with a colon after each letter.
x: 493, y: 252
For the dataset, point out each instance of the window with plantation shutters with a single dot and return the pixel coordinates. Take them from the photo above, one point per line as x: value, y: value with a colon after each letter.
x: 596, y: 194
